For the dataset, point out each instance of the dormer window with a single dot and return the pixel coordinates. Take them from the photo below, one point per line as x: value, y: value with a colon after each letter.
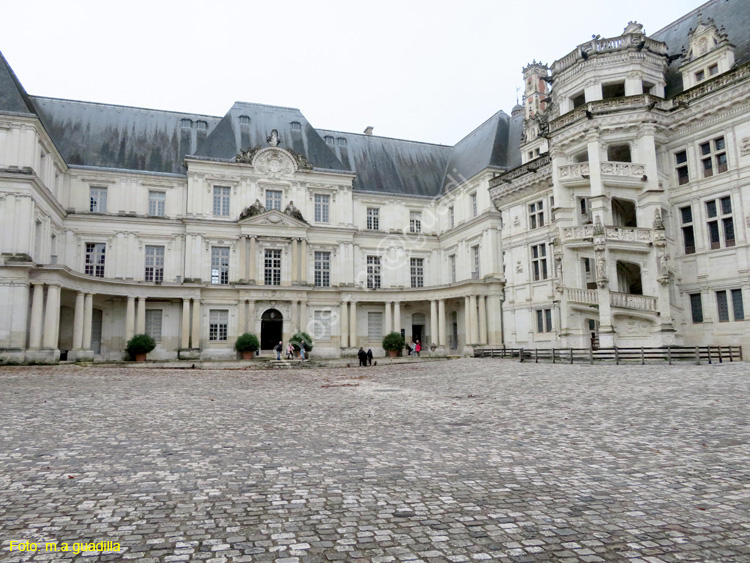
x: 201, y: 125
x: 296, y: 126
x: 244, y: 120
x: 329, y: 140
x: 713, y: 70
x: 700, y: 76
x: 186, y: 123
x: 341, y: 141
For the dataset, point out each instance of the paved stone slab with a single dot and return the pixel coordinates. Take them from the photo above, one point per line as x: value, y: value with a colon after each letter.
x: 469, y: 460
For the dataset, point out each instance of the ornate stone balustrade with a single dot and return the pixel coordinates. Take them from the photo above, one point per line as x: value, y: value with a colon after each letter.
x: 530, y: 167
x: 571, y: 171
x: 629, y: 301
x: 614, y: 44
x: 721, y: 81
x: 585, y: 296
x: 620, y: 234
x: 622, y: 169
x: 599, y: 107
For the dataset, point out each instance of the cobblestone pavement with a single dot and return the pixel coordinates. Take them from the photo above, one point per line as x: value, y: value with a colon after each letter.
x: 467, y: 460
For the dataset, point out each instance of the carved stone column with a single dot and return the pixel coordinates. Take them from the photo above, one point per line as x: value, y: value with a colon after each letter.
x: 442, y: 324
x: 344, y: 327
x: 140, y: 322
x: 397, y: 317
x: 251, y: 317
x: 195, y: 336
x: 130, y: 319
x: 295, y: 262
x: 303, y: 320
x: 88, y: 317
x: 606, y: 331
x: 482, y: 303
x: 78, y: 322
x: 467, y: 321
x: 473, y: 319
x: 52, y: 317
x: 434, y: 324
x: 388, y: 319
x: 353, y: 324
x: 303, y: 262
x: 185, y: 328
x: 253, y: 260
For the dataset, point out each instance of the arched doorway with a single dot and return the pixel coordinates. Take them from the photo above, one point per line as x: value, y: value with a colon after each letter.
x: 271, y: 328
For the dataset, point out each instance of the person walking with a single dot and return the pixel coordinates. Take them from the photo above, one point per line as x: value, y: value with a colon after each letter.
x: 418, y: 348
x: 302, y: 351
x: 412, y: 348
x: 362, y: 355
x: 278, y: 348
x: 289, y: 351
x: 369, y: 356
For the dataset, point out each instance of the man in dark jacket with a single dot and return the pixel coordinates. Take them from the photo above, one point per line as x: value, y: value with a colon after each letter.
x: 278, y: 348
x: 369, y: 356
x: 362, y: 355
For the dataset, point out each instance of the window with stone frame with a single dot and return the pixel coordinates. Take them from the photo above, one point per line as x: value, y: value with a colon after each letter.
x: 536, y: 214
x: 218, y: 325
x: 373, y: 272
x: 98, y: 200
x: 373, y: 219
x: 273, y: 199
x: 156, y: 201
x: 220, y: 265
x: 95, y: 259
x: 322, y: 325
x: 374, y: 326
x: 475, y: 272
x: 730, y: 299
x: 322, y: 271
x: 154, y: 264
x: 415, y: 222
x: 322, y: 208
x: 539, y: 262
x: 713, y: 156
x: 272, y: 267
x: 222, y: 195
x: 696, y: 307
x: 153, y: 323
x: 720, y: 222
x: 681, y: 167
x: 474, y: 205
x: 688, y: 232
x: 452, y: 216
x: 417, y: 272
x: 452, y: 267
x: 543, y: 320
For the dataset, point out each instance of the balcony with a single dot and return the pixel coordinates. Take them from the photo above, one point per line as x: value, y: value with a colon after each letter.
x: 590, y: 110
x: 632, y: 41
x: 629, y: 173
x: 574, y: 174
x: 583, y: 296
x: 584, y: 234
x: 631, y: 301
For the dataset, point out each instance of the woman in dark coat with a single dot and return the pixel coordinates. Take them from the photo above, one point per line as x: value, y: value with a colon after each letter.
x: 362, y: 355
x: 369, y: 356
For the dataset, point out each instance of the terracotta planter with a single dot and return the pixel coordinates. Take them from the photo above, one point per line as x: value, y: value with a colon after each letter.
x: 393, y: 353
x: 140, y: 357
x: 247, y: 355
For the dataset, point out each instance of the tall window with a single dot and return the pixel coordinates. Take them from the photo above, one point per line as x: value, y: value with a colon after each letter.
x: 539, y: 262
x: 220, y: 265
x: 322, y: 208
x: 688, y: 234
x: 154, y: 263
x: 536, y: 214
x: 452, y: 216
x: 221, y: 200
x: 452, y: 265
x: 682, y: 167
x: 153, y: 324
x: 322, y: 269
x: 374, y: 326
x: 544, y: 320
x: 273, y: 199
x: 273, y: 267
x: 475, y: 262
x: 373, y: 218
x: 322, y: 325
x: 373, y: 272
x: 415, y: 222
x: 723, y: 303
x: 156, y: 203
x: 218, y: 321
x: 720, y: 222
x: 95, y: 255
x: 696, y: 307
x: 474, y: 207
x: 714, y: 157
x: 98, y: 200
x: 417, y: 272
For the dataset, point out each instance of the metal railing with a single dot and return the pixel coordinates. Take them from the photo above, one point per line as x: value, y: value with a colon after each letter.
x: 669, y: 354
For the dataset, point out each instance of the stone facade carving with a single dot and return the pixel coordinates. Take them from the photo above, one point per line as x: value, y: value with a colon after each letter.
x: 255, y: 209
x: 745, y: 147
x: 273, y: 138
x: 274, y: 163
x: 292, y: 211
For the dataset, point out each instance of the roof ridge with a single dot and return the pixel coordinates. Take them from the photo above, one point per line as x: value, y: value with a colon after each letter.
x: 685, y: 16
x: 480, y: 125
x: 125, y: 106
x: 385, y: 137
x: 265, y: 106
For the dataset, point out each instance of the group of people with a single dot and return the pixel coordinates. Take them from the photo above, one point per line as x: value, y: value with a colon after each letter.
x: 414, y: 349
x: 365, y: 358
x: 289, y: 350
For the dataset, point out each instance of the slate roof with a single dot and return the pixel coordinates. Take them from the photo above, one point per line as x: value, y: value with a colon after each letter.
x: 734, y: 15
x: 13, y: 97
x: 390, y: 165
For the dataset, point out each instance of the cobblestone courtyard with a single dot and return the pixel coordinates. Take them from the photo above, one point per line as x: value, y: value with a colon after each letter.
x: 444, y: 461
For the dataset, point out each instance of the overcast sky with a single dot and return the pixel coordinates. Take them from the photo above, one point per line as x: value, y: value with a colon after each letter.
x: 422, y: 70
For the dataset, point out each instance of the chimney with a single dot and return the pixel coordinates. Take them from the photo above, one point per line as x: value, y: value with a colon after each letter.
x: 368, y: 130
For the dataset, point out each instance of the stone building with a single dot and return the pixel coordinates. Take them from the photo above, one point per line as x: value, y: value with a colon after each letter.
x: 609, y: 209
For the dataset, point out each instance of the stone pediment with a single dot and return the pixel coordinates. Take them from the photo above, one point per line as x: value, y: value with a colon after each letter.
x: 274, y: 217
x: 274, y: 161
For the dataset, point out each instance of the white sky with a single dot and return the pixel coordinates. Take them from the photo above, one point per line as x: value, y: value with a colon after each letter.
x: 422, y: 70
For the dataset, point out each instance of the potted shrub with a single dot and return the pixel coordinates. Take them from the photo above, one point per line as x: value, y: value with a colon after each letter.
x: 393, y: 343
x: 302, y: 338
x: 247, y: 344
x: 139, y: 346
